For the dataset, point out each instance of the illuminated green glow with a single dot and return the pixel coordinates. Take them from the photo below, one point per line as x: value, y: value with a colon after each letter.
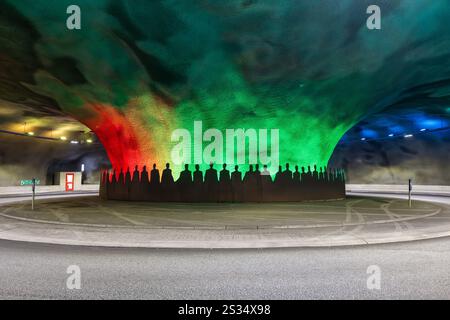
x: 291, y: 65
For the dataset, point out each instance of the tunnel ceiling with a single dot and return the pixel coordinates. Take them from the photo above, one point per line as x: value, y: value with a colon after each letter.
x: 137, y: 70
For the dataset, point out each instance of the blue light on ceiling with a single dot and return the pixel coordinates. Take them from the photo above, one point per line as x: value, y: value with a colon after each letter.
x: 397, y: 129
x: 398, y: 125
x: 369, y: 133
x: 424, y: 122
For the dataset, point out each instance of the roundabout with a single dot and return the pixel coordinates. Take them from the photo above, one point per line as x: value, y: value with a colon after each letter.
x: 224, y: 150
x: 357, y: 220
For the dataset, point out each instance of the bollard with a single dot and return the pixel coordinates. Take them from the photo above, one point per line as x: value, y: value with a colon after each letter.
x: 33, y: 186
x: 409, y: 192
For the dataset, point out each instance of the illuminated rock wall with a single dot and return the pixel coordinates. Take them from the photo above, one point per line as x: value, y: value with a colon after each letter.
x: 424, y: 159
x: 138, y: 70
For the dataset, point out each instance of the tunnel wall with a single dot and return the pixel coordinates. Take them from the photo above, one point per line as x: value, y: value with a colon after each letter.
x: 27, y: 157
x: 425, y: 159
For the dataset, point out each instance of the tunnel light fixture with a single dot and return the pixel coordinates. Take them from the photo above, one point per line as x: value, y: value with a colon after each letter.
x: 408, y: 136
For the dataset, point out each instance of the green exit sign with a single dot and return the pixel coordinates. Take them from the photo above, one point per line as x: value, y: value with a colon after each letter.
x: 29, y: 182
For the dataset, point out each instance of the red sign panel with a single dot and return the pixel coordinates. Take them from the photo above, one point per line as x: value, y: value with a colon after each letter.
x: 70, y: 182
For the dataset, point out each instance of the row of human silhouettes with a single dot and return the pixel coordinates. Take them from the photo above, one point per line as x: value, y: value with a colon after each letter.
x: 255, y: 185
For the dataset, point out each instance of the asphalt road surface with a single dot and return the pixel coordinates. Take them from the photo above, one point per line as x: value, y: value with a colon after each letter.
x: 413, y: 270
x: 408, y: 270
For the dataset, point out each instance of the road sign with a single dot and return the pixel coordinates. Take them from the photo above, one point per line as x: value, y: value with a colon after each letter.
x: 70, y: 182
x: 29, y: 182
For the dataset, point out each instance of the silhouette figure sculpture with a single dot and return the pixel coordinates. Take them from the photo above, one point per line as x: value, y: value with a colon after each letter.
x: 315, y: 174
x: 168, y: 185
x: 331, y: 175
x: 127, y: 182
x: 225, y: 174
x: 308, y: 184
x: 279, y: 174
x: 303, y: 175
x: 237, y: 185
x: 121, y: 177
x: 265, y: 172
x: 154, y: 177
x: 287, y: 175
x: 266, y: 185
x: 155, y: 185
x: 225, y: 193
x: 325, y: 174
x: 135, y: 186
x: 185, y: 176
x: 322, y: 184
x: 132, y: 177
x: 296, y: 175
x: 286, y: 184
x: 145, y: 184
x: 144, y: 176
x: 198, y: 185
x: 112, y: 186
x: 259, y: 190
x: 277, y: 186
x: 250, y: 185
x: 257, y: 171
x: 114, y: 177
x: 319, y: 183
x: 211, y: 184
x: 122, y: 187
x: 185, y: 184
x: 128, y: 177
x: 314, y: 191
x: 296, y: 185
x: 104, y: 183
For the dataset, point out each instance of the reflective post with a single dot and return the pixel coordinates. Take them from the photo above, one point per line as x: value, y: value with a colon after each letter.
x: 409, y: 192
x: 33, y: 186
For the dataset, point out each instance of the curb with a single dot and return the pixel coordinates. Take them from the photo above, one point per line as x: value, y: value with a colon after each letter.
x: 211, y: 245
